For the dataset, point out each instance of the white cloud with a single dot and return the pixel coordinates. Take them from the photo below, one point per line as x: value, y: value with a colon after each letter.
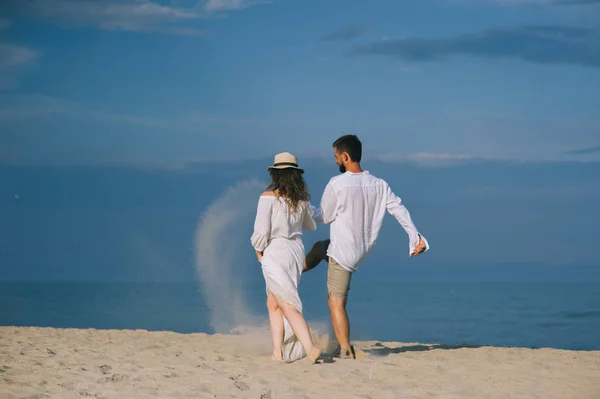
x: 425, y: 158
x: 5, y: 24
x: 30, y: 106
x: 115, y: 15
x: 186, y: 31
x: 7, y: 83
x: 11, y: 58
x: 230, y: 5
x: 15, y: 107
x: 582, y: 3
x: 12, y: 55
x: 501, y: 2
x: 26, y: 106
x: 517, y: 2
x: 131, y: 15
x: 409, y: 69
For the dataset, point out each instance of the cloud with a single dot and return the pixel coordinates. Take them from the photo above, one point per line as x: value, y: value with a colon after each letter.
x: 522, y: 2
x: 114, y: 15
x: 129, y: 15
x: 5, y: 24
x: 409, y: 69
x: 186, y: 32
x: 584, y: 151
x: 12, y: 57
x: 536, y: 44
x: 347, y: 32
x: 577, y: 2
x: 27, y: 107
x: 15, y: 107
x: 545, y: 2
x: 231, y: 5
x: 426, y: 158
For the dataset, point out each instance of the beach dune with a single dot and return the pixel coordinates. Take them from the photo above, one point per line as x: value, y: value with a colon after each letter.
x: 74, y: 363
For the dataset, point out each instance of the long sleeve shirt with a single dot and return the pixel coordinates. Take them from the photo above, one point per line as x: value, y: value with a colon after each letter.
x: 355, y: 204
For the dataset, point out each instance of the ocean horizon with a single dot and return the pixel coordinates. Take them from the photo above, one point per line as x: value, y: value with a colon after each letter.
x: 562, y: 315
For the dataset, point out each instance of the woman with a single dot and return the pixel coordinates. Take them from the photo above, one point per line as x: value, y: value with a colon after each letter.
x: 283, y: 212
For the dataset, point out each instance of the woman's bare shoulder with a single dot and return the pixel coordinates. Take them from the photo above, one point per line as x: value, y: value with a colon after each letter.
x: 268, y: 194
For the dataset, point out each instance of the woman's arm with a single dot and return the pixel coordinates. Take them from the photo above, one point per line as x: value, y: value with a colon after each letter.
x: 308, y: 222
x: 262, y: 226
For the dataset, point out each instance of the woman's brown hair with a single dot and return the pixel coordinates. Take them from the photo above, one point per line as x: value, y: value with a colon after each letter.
x: 290, y: 185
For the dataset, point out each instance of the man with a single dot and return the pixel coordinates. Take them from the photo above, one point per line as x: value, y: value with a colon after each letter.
x: 354, y: 203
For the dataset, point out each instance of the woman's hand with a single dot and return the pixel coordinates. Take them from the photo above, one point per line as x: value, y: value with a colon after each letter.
x: 259, y: 256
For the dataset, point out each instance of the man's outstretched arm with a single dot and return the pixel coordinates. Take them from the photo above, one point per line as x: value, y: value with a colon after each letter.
x: 417, y: 243
x: 323, y: 215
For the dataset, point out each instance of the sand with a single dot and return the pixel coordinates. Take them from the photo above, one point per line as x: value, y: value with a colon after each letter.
x: 72, y: 363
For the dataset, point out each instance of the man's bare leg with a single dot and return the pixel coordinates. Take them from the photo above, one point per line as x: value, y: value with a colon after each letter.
x: 316, y: 255
x: 341, y: 324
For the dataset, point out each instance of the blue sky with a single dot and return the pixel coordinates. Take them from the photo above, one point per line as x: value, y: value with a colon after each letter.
x: 169, y: 82
x: 175, y: 85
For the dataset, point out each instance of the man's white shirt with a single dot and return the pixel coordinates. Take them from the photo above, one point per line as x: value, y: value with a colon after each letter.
x: 355, y: 204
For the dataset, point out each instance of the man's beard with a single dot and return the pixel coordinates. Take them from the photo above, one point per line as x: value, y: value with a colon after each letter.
x: 342, y: 168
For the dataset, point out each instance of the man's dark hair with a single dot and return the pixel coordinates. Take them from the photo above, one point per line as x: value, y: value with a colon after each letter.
x: 350, y: 144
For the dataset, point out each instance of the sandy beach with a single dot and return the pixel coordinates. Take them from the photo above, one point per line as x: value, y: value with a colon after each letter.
x: 73, y: 363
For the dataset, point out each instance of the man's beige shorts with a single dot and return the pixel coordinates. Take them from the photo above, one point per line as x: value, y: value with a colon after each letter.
x: 338, y: 280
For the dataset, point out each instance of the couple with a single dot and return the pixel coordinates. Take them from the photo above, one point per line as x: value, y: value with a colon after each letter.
x: 354, y: 203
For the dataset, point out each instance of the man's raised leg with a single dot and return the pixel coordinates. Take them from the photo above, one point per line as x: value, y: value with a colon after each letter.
x: 316, y: 255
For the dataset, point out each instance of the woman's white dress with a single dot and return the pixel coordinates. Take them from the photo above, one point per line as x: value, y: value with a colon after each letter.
x: 278, y: 234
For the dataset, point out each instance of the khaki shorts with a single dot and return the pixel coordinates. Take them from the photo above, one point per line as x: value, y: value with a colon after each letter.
x: 338, y: 280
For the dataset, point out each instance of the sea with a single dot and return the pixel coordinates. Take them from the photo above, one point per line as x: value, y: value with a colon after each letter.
x: 508, y: 314
x: 513, y: 259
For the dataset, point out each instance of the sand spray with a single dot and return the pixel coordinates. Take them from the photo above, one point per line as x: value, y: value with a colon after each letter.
x: 222, y: 248
x: 221, y: 245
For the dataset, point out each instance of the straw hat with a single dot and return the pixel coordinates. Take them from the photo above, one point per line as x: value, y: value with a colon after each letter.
x: 285, y: 160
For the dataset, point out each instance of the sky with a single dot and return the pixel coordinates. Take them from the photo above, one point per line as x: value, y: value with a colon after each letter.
x: 121, y: 121
x: 166, y: 83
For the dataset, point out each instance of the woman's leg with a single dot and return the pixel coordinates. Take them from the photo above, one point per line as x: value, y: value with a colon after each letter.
x: 300, y: 328
x: 277, y: 328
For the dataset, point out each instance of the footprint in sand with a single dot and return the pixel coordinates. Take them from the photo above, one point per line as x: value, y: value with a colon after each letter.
x: 242, y: 386
x: 113, y: 378
x: 105, y: 368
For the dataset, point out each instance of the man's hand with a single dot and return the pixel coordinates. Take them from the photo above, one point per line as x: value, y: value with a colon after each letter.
x: 259, y: 256
x: 420, y: 248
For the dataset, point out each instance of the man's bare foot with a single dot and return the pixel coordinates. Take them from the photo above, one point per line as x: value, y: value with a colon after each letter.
x: 316, y: 255
x: 347, y: 353
x: 278, y: 357
x: 314, y: 355
x: 344, y: 353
